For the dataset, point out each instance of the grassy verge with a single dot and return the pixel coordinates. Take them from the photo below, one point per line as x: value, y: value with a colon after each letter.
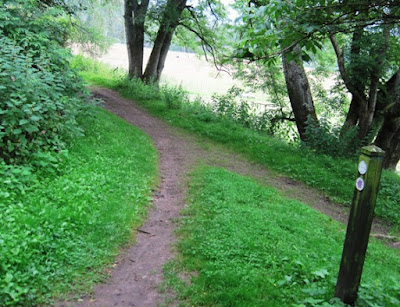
x: 57, y: 237
x: 242, y: 244
x: 333, y: 176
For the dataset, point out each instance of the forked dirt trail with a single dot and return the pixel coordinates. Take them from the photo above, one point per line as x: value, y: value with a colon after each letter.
x: 138, y: 271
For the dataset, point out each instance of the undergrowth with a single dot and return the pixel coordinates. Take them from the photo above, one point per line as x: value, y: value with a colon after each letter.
x: 335, y: 177
x: 59, y: 230
x: 242, y: 244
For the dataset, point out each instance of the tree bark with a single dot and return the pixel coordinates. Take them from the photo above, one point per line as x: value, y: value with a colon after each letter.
x: 135, y: 15
x: 355, y: 88
x: 389, y: 140
x: 169, y: 23
x: 389, y: 135
x: 358, y: 79
x: 352, y: 115
x: 367, y: 110
x: 159, y: 51
x: 299, y: 91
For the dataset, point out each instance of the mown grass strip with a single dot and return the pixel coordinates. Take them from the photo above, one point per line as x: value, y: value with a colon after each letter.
x: 334, y: 176
x: 57, y: 237
x: 244, y: 245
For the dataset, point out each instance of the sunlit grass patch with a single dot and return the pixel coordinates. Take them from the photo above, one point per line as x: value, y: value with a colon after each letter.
x: 244, y: 245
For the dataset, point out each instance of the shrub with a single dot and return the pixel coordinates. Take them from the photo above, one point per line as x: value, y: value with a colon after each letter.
x: 327, y: 139
x: 41, y: 95
x: 231, y: 106
x: 173, y: 97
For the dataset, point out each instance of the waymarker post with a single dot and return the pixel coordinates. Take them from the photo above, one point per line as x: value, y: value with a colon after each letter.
x: 359, y: 224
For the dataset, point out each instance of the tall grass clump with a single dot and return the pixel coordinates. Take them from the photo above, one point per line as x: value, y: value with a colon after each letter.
x: 331, y: 140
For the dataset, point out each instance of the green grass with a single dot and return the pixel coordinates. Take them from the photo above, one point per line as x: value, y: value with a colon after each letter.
x: 57, y: 238
x: 335, y: 177
x: 242, y: 244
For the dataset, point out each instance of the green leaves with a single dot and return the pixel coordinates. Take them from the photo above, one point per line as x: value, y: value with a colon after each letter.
x: 40, y: 94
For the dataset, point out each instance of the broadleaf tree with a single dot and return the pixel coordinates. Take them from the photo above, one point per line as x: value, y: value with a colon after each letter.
x: 367, y: 54
x: 167, y: 16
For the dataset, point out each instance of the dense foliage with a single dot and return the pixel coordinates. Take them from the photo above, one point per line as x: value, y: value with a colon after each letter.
x: 41, y: 96
x: 364, y: 38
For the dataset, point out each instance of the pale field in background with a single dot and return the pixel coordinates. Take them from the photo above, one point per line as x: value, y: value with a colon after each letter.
x: 188, y: 70
x: 192, y: 72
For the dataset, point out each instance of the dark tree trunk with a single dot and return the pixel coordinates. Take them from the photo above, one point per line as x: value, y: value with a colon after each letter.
x: 367, y: 110
x: 389, y: 140
x: 352, y: 115
x: 135, y: 15
x: 360, y: 78
x: 350, y: 78
x: 158, y: 55
x: 389, y: 135
x: 163, y: 55
x: 299, y: 92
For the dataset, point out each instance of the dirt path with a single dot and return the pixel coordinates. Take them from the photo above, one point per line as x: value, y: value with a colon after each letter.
x: 138, y: 272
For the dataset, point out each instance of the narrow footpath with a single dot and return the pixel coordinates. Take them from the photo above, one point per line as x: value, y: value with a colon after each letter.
x: 137, y: 274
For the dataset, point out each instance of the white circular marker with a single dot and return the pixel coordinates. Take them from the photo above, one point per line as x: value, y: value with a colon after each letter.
x: 362, y: 167
x: 360, y: 184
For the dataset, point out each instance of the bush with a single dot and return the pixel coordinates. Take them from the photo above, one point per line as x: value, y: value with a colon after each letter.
x: 325, y: 139
x: 231, y: 106
x: 173, y: 97
x: 41, y: 95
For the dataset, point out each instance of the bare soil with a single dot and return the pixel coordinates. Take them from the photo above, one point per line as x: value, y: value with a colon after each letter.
x: 137, y: 273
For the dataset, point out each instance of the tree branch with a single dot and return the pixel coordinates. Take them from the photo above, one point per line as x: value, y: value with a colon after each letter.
x: 342, y: 70
x: 206, y: 46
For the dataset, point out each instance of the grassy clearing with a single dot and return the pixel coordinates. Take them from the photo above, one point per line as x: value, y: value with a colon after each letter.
x: 244, y: 245
x: 57, y: 237
x: 333, y: 176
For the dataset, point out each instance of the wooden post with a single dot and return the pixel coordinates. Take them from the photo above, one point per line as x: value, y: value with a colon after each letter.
x: 359, y: 225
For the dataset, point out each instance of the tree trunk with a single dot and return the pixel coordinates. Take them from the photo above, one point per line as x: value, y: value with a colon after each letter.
x: 135, y: 15
x: 389, y: 140
x: 161, y: 45
x: 350, y: 77
x: 367, y: 111
x: 352, y: 115
x: 299, y: 92
x: 389, y: 135
x: 359, y: 78
x: 163, y: 55
x: 158, y: 55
